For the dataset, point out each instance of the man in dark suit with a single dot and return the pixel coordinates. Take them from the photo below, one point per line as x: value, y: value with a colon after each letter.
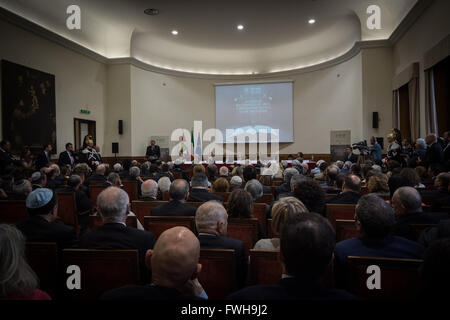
x: 66, y: 157
x: 199, y: 192
x: 434, y: 154
x: 249, y: 173
x: 174, y: 265
x: 375, y: 219
x: 211, y: 220
x: 179, y: 192
x: 350, y: 156
x: 286, y: 186
x: 407, y: 204
x: 98, y: 177
x: 153, y: 152
x: 41, y: 226
x: 43, y: 159
x: 149, y: 190
x: 113, y: 206
x: 307, y: 242
x: 5, y: 157
x: 351, y: 189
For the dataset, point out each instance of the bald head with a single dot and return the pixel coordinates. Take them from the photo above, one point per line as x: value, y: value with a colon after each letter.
x: 406, y: 200
x: 352, y: 183
x: 149, y: 188
x: 101, y: 169
x: 179, y: 189
x: 113, y: 204
x: 211, y: 217
x: 174, y: 258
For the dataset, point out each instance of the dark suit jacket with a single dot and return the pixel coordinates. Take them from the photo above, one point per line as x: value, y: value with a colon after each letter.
x: 174, y: 208
x: 351, y: 157
x: 97, y: 178
x: 389, y: 247
x: 118, y: 236
x: 147, y: 292
x: 6, y: 160
x: 291, y: 289
x: 64, y: 159
x: 42, y: 160
x: 210, y: 241
x: 434, y: 155
x: 402, y: 226
x: 37, y: 229
x: 283, y: 188
x: 203, y: 195
x: 156, y: 152
x: 345, y: 198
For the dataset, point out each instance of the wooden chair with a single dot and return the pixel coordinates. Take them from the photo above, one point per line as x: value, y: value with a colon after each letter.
x: 101, y: 270
x: 67, y: 208
x: 43, y: 259
x: 143, y: 208
x: 270, y: 232
x: 131, y: 187
x: 96, y: 221
x: 13, y: 211
x: 399, y: 277
x: 415, y: 230
x: 277, y: 183
x: 224, y: 195
x: 266, y: 198
x: 260, y: 213
x: 218, y: 275
x: 158, y: 225
x: 346, y: 229
x: 265, y: 267
x: 94, y: 191
x: 245, y: 230
x: 166, y: 196
x: 340, y: 211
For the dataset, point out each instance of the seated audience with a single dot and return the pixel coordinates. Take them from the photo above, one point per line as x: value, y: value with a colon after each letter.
x: 175, y: 267
x: 211, y: 220
x: 350, y: 191
x: 240, y: 204
x: 164, y: 184
x: 54, y: 179
x: 331, y: 174
x: 249, y: 173
x: 321, y: 175
x: 179, y: 192
x: 199, y: 192
x: 41, y: 224
x: 282, y: 210
x: 212, y: 172
x: 235, y: 183
x: 223, y: 172
x: 255, y: 188
x: 38, y: 180
x: 338, y: 183
x: 17, y: 280
x: 311, y: 195
x: 149, y: 190
x: 113, y: 180
x: 412, y: 177
x: 20, y: 190
x: 375, y: 220
x: 98, y: 177
x: 307, y: 243
x: 286, y: 186
x: 117, y: 168
x: 221, y: 185
x: 407, y: 204
x: 395, y: 182
x: 113, y: 206
x: 135, y: 175
x: 378, y: 184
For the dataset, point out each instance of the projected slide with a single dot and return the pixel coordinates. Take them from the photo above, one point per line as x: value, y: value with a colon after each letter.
x: 254, y: 108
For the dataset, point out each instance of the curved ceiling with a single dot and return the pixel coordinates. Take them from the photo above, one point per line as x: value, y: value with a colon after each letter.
x: 276, y: 36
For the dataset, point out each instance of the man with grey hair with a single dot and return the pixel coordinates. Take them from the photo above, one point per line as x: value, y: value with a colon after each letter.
x: 339, y: 164
x: 164, y: 184
x: 179, y: 192
x: 255, y: 188
x: 149, y: 190
x: 224, y: 171
x: 199, y: 192
x: 113, y: 206
x: 375, y: 219
x: 114, y: 180
x: 286, y: 186
x: 434, y: 154
x: 211, y: 220
x: 296, y: 179
x: 135, y: 175
x: 235, y: 183
x: 407, y: 204
x: 117, y: 168
x: 98, y: 177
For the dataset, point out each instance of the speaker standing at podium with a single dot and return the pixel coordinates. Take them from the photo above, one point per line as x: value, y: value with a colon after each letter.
x: 153, y: 152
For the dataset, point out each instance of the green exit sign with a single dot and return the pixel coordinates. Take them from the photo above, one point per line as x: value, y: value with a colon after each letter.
x: 85, y: 111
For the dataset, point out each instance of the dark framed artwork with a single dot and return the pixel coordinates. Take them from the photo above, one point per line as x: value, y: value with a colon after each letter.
x: 28, y: 107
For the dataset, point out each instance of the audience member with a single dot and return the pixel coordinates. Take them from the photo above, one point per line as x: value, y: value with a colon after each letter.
x: 164, y: 184
x: 221, y: 185
x: 199, y: 192
x: 286, y: 186
x: 255, y: 188
x: 98, y: 177
x: 179, y: 192
x: 350, y: 191
x: 38, y: 180
x: 149, y: 190
x: 240, y: 204
x: 378, y: 184
x: 235, y: 183
x: 311, y: 195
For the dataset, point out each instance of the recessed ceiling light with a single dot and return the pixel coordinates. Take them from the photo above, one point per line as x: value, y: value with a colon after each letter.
x: 174, y: 32
x: 312, y: 21
x: 240, y: 27
x: 151, y: 11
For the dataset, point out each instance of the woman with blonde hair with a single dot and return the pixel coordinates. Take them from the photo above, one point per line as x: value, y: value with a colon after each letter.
x: 221, y: 185
x: 282, y: 210
x: 17, y: 280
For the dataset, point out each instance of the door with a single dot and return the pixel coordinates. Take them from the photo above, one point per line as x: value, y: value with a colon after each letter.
x: 82, y: 128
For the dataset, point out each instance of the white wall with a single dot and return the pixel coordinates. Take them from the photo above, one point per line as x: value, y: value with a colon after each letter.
x: 426, y: 32
x: 80, y: 81
x: 322, y: 102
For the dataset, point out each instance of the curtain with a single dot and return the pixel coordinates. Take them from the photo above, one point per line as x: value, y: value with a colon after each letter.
x: 414, y: 107
x: 395, y: 109
x: 430, y: 103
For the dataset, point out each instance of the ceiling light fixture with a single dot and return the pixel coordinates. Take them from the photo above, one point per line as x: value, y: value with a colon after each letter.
x: 174, y: 32
x: 240, y: 27
x: 151, y: 11
x: 312, y: 21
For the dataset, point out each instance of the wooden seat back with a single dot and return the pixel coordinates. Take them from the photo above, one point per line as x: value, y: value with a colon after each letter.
x: 158, y: 225
x: 143, y: 208
x: 101, y: 270
x: 43, y: 259
x: 94, y: 191
x: 340, y: 211
x: 13, y: 211
x: 265, y: 267
x: 346, y: 229
x: 245, y: 230
x: 266, y: 198
x: 218, y: 275
x: 67, y: 208
x: 131, y: 188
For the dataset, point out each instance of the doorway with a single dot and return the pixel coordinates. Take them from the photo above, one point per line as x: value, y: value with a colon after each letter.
x: 82, y: 128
